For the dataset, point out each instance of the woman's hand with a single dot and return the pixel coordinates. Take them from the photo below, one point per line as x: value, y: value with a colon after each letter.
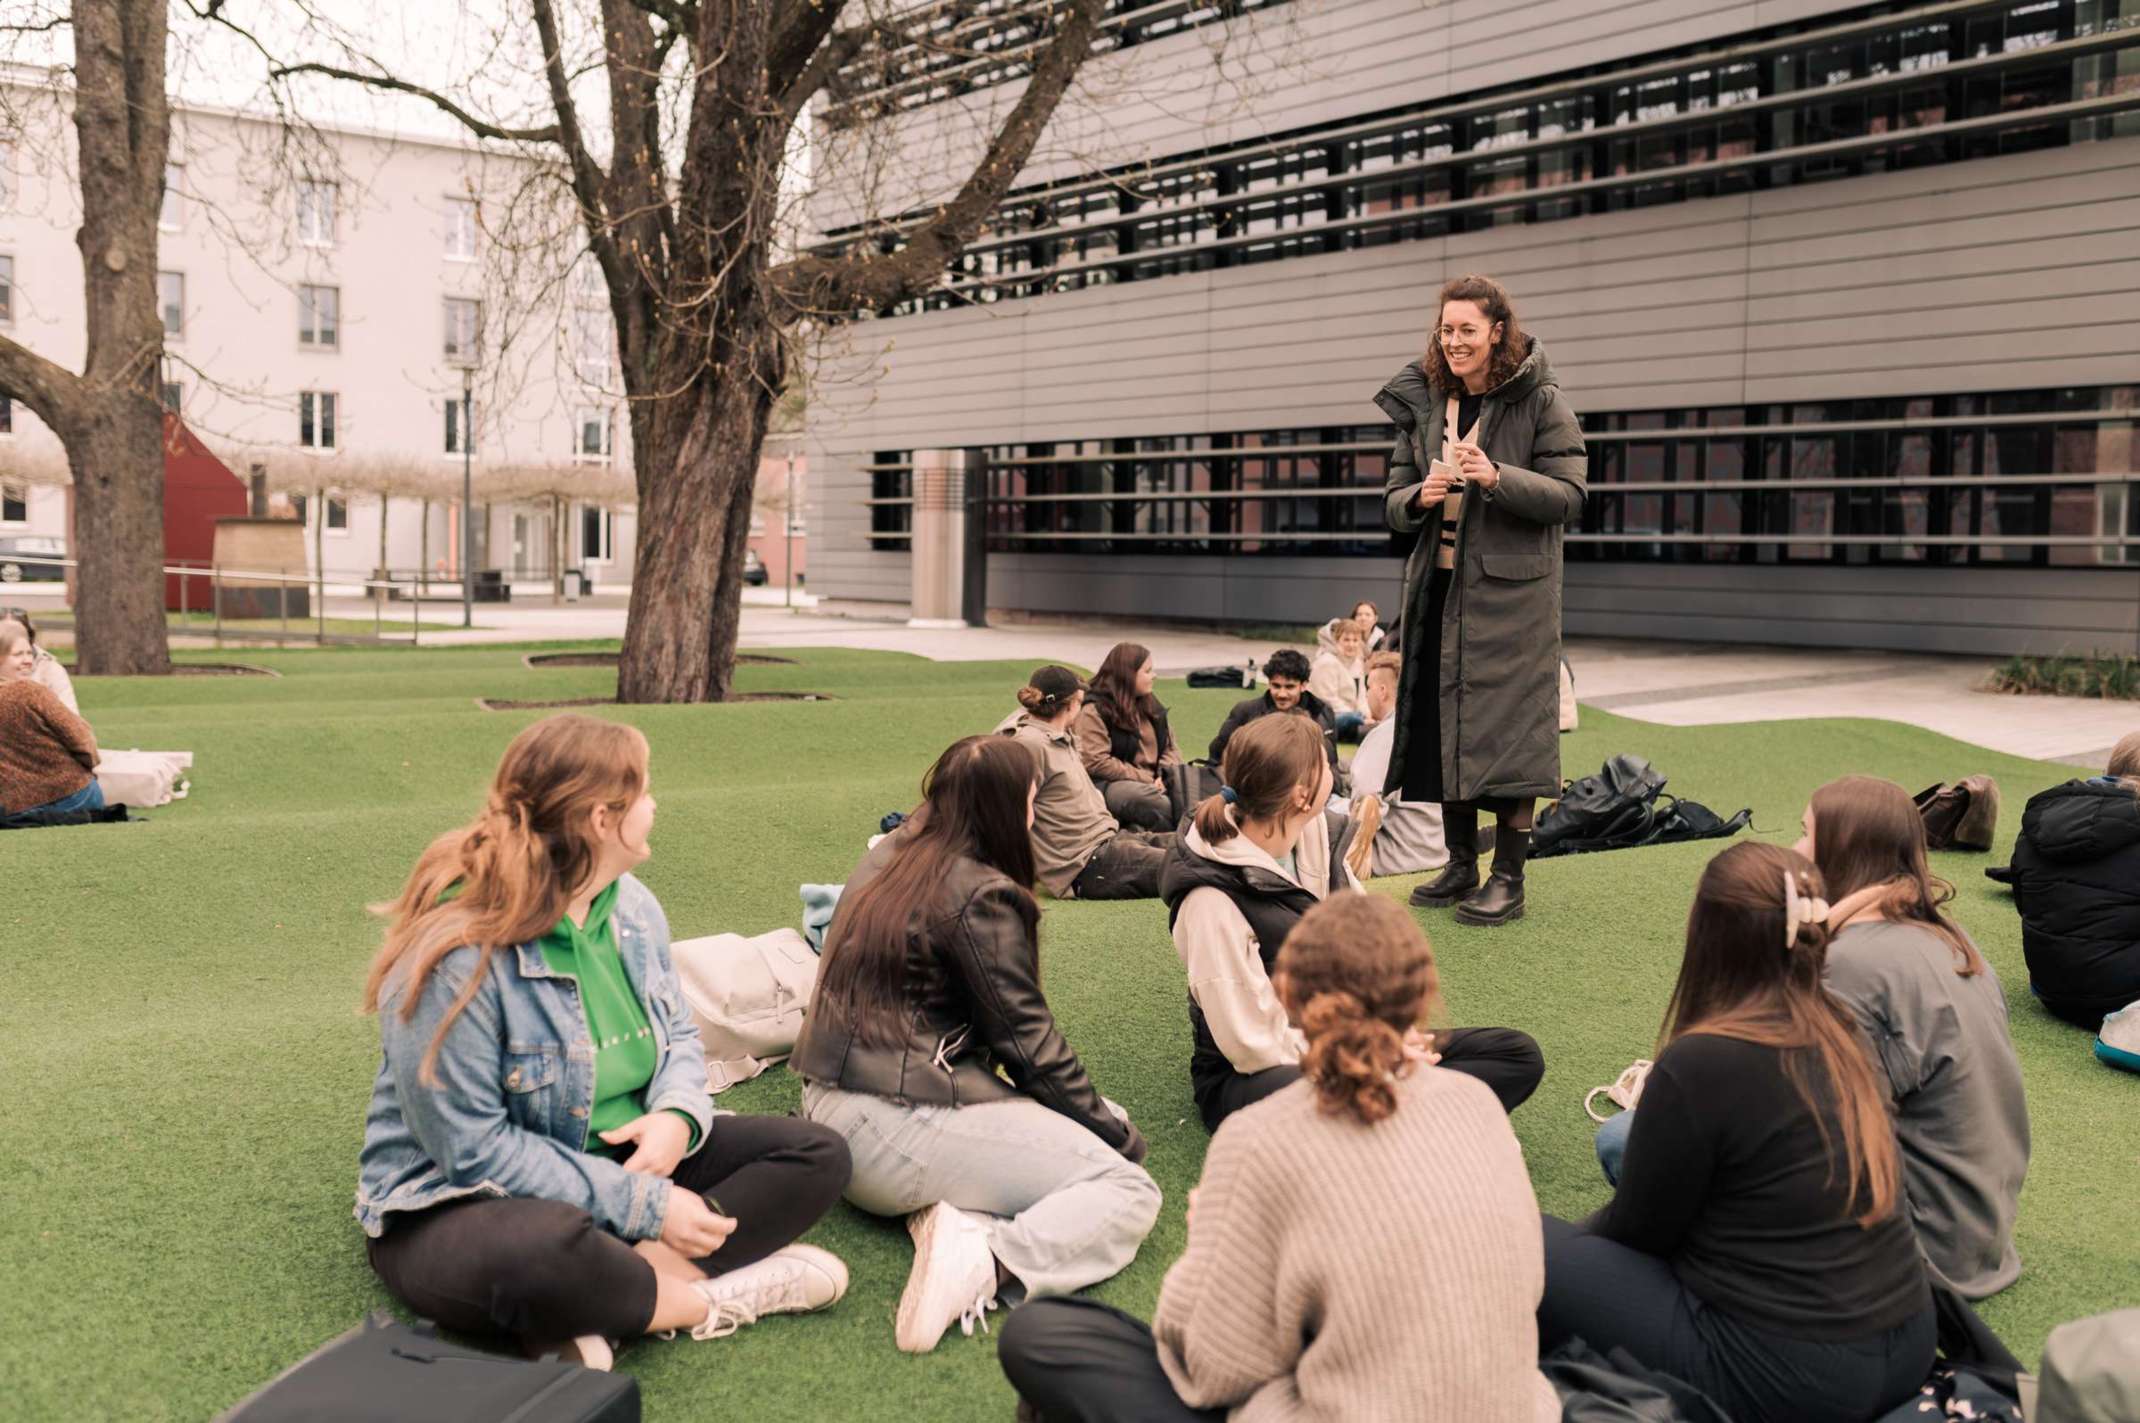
x: 691, y: 1228
x: 1419, y: 1049
x: 1440, y: 480
x: 660, y: 1140
x: 1474, y: 466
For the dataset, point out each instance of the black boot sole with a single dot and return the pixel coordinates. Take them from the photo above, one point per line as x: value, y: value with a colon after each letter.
x: 1466, y: 915
x: 1421, y: 900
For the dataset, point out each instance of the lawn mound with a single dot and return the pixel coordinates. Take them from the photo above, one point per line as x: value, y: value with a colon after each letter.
x: 609, y: 659
x: 512, y: 704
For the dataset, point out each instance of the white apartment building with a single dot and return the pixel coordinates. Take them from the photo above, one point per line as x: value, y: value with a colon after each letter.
x: 325, y: 298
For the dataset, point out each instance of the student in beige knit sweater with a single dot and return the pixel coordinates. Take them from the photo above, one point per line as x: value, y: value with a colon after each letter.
x: 1364, y: 1244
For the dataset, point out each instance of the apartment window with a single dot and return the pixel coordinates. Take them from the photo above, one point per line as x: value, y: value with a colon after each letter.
x: 7, y: 176
x: 171, y: 393
x: 337, y: 515
x: 460, y: 430
x: 591, y: 434
x: 591, y: 345
x: 463, y: 331
x: 461, y: 229
x: 315, y: 213
x: 173, y: 215
x: 319, y: 317
x: 14, y: 504
x: 598, y: 535
x: 171, y: 298
x: 589, y: 287
x: 318, y: 411
x: 7, y: 289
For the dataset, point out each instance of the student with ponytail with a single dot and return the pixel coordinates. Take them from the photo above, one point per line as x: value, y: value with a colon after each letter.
x: 541, y: 1158
x: 1257, y: 857
x: 1756, y: 1246
x: 1364, y: 1244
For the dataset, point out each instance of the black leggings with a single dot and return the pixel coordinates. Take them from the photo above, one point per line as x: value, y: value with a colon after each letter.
x: 1079, y: 1361
x: 543, y: 1271
x: 1615, y: 1297
x: 1505, y: 1059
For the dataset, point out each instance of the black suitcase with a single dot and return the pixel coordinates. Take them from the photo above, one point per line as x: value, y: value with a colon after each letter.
x: 383, y: 1371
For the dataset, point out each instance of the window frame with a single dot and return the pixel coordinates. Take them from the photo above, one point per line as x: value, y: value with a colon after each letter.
x: 173, y: 314
x: 7, y: 289
x: 463, y: 218
x: 308, y: 193
x: 454, y: 432
x: 14, y: 492
x: 449, y: 308
x: 171, y: 210
x: 312, y: 333
x: 319, y: 411
x: 603, y: 415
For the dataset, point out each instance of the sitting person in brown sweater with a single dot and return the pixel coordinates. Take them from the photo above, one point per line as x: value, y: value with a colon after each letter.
x: 1123, y: 736
x: 1364, y: 1244
x: 47, y: 753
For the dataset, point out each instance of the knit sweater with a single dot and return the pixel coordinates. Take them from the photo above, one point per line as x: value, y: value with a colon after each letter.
x: 1346, y: 1272
x: 46, y: 751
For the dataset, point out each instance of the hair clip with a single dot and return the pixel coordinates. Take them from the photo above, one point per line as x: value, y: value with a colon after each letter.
x: 1229, y: 795
x: 1799, y: 910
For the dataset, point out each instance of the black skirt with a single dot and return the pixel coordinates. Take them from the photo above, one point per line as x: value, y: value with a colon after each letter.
x: 1423, y: 752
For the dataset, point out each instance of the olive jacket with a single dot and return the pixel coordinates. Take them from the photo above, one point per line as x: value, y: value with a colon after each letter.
x: 1499, y: 676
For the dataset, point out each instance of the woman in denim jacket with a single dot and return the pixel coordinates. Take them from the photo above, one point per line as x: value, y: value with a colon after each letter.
x: 541, y: 1157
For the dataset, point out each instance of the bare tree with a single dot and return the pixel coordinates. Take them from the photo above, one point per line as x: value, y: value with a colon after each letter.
x: 107, y: 415
x: 680, y: 213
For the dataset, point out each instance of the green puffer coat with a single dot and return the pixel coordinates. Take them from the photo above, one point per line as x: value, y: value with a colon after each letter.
x: 1499, y: 679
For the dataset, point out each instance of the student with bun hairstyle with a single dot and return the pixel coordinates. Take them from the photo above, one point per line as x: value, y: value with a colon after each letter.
x: 1124, y: 738
x: 1364, y: 1244
x: 1080, y: 851
x: 1757, y: 1245
x: 1260, y: 855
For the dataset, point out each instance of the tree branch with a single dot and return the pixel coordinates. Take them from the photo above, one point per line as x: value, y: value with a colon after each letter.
x: 682, y: 15
x: 831, y: 56
x: 587, y: 175
x: 817, y: 286
x: 797, y: 39
x: 551, y: 133
x: 47, y: 387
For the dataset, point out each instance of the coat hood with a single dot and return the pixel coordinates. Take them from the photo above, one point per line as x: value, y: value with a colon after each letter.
x: 2082, y: 821
x: 1326, y: 638
x: 1408, y: 396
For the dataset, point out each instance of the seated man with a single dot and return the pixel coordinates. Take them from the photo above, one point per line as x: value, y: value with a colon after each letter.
x: 2076, y: 879
x: 1410, y: 836
x: 1286, y: 676
x: 1078, y: 849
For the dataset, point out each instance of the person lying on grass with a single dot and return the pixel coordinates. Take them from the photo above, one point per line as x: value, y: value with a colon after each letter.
x: 1364, y: 1244
x: 541, y: 1158
x: 930, y: 1047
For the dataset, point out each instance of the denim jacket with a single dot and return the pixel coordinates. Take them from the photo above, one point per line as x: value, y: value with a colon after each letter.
x: 516, y: 1085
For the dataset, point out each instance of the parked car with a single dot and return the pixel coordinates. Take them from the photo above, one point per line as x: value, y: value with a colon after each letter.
x: 16, y: 552
x: 753, y: 568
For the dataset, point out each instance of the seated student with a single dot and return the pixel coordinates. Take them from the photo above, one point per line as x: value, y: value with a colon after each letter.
x: 541, y: 1158
x: 1258, y: 857
x: 1363, y: 1246
x: 1079, y: 849
x: 1123, y: 736
x: 47, y: 753
x: 1757, y: 1246
x: 1410, y: 837
x: 1369, y: 617
x: 47, y: 671
x: 2076, y: 879
x: 1285, y: 677
x: 1338, y: 676
x: 930, y: 1048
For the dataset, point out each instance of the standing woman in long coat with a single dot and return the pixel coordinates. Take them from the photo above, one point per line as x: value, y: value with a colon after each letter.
x: 1487, y: 471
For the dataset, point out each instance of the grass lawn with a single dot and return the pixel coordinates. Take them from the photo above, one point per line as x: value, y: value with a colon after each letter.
x: 187, y: 1070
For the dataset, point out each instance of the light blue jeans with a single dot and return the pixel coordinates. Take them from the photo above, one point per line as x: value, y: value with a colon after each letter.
x: 1612, y: 1144
x: 1063, y: 1209
x: 89, y: 797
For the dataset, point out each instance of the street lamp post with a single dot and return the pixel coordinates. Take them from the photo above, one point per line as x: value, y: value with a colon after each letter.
x: 468, y: 507
x: 791, y: 528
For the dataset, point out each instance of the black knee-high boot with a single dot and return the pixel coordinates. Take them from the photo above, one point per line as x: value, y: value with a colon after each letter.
x: 1500, y: 899
x: 1460, y: 827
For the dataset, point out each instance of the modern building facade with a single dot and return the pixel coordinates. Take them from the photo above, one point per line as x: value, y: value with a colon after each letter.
x: 1847, y: 296
x: 329, y: 301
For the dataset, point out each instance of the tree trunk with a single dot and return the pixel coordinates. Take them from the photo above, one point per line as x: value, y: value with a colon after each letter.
x: 116, y: 454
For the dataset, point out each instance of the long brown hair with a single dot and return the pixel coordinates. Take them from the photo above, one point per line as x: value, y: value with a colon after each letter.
x: 2125, y: 759
x: 973, y: 807
x: 1492, y: 299
x: 1740, y: 980
x: 1114, y: 689
x: 1265, y: 763
x: 1356, y: 972
x: 517, y: 864
x: 1867, y: 831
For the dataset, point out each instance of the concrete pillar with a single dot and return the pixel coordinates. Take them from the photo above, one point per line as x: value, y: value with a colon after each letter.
x: 943, y: 481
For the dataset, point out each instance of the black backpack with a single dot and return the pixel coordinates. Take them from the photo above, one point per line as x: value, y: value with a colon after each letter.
x: 1622, y: 806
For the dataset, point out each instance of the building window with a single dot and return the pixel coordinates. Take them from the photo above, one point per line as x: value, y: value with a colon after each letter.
x: 300, y: 508
x: 7, y: 415
x: 463, y: 331
x: 7, y: 176
x: 173, y: 215
x: 589, y: 287
x: 315, y: 213
x: 459, y: 426
x: 318, y: 412
x: 319, y: 317
x: 591, y: 434
x: 591, y: 345
x: 461, y: 229
x: 337, y: 515
x: 172, y: 393
x: 598, y: 533
x: 171, y: 299
x: 7, y: 289
x: 14, y: 504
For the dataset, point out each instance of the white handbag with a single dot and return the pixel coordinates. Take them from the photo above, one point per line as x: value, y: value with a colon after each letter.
x: 749, y: 997
x: 1625, y: 1090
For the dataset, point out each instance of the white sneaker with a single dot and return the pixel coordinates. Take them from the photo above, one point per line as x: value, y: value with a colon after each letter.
x: 954, y: 1278
x: 793, y: 1280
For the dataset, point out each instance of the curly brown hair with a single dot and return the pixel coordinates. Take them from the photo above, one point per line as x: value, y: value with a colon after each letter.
x: 1356, y: 974
x: 1509, y: 352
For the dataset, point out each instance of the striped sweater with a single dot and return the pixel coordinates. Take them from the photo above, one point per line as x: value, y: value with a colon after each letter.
x: 1345, y: 1272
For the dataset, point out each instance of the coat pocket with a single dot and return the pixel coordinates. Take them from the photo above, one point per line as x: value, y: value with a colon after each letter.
x: 1517, y: 567
x: 530, y: 1083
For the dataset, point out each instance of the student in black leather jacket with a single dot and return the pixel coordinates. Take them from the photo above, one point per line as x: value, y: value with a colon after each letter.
x: 931, y: 1049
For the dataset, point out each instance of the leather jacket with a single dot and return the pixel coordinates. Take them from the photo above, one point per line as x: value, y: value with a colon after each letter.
x: 975, y: 1028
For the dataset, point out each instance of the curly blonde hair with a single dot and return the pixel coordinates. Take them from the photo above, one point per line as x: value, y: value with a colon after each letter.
x: 1356, y: 974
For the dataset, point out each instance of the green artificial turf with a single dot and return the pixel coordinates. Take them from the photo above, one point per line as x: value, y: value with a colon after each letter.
x: 186, y: 1070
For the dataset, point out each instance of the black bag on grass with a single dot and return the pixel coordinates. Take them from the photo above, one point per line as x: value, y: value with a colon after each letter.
x: 383, y: 1371
x: 1621, y: 807
x: 1236, y: 677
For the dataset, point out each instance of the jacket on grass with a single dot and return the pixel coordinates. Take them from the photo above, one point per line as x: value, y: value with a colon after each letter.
x: 2076, y: 878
